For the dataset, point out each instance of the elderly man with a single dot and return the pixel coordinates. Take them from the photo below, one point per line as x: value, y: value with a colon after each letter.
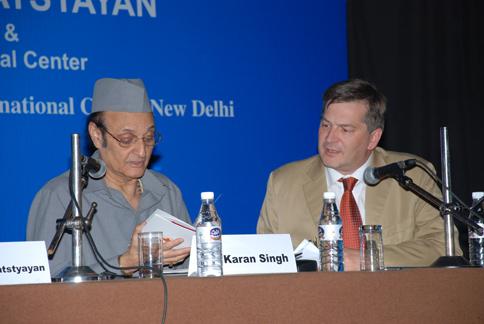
x: 349, y: 132
x: 122, y: 129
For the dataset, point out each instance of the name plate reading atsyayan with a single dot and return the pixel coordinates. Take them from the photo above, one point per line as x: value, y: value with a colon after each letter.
x: 252, y: 254
x: 23, y: 263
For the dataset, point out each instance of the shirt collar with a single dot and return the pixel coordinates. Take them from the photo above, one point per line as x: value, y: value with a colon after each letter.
x: 333, y: 176
x: 154, y: 191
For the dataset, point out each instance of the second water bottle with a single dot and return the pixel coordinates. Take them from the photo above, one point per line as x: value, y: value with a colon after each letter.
x: 209, y: 238
x: 330, y: 232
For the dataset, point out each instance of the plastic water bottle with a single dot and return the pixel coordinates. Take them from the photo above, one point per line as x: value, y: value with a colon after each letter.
x: 209, y: 238
x: 476, y: 241
x: 330, y: 235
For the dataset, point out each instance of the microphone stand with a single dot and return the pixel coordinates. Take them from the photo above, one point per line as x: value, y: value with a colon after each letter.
x: 73, y: 222
x: 447, y: 208
x: 450, y: 259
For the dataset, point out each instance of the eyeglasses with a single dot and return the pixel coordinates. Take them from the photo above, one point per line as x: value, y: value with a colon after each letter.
x: 129, y: 140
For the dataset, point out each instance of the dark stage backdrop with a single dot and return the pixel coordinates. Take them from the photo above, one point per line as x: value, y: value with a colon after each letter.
x: 427, y: 57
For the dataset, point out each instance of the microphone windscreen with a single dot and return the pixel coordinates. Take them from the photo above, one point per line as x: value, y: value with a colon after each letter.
x: 369, y: 177
x: 100, y: 172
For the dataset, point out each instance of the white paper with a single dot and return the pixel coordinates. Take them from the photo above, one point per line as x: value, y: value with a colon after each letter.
x: 172, y: 227
x: 23, y: 263
x: 252, y: 254
x: 308, y: 251
x: 192, y: 263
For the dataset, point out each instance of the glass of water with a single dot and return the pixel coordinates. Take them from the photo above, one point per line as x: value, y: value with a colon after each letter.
x: 371, y: 248
x: 150, y: 253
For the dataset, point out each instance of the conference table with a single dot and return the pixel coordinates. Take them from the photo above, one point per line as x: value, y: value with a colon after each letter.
x: 424, y: 295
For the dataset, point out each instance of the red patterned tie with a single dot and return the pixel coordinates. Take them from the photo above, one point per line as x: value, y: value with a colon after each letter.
x: 350, y: 215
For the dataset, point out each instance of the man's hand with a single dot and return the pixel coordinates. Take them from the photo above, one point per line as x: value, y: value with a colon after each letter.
x: 172, y: 256
x: 130, y: 257
x: 352, y: 259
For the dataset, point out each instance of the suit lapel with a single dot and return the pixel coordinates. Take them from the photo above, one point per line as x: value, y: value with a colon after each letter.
x: 376, y: 196
x: 314, y: 188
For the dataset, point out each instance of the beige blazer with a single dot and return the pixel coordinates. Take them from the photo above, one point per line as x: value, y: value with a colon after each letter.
x: 413, y: 230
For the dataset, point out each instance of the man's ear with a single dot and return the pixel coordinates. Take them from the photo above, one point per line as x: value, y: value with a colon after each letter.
x: 96, y: 135
x: 375, y: 137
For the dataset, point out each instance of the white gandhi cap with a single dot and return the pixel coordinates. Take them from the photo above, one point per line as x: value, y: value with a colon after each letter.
x: 120, y: 95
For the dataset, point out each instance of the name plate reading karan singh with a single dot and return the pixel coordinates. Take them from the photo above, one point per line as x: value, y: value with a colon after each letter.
x: 24, y: 263
x: 252, y: 254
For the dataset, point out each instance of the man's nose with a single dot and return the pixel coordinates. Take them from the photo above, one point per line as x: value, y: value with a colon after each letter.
x: 331, y: 135
x: 140, y: 148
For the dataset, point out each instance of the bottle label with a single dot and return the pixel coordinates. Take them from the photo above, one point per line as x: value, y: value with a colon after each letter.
x: 209, y: 233
x: 478, y: 208
x: 474, y: 235
x: 215, y: 233
x: 331, y: 232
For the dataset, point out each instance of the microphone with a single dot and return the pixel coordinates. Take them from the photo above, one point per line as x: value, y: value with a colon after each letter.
x: 374, y: 175
x: 95, y: 167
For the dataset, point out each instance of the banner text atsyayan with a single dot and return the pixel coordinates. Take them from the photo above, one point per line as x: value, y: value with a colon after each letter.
x: 133, y: 8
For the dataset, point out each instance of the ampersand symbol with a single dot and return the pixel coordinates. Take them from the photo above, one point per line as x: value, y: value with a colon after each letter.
x: 10, y: 34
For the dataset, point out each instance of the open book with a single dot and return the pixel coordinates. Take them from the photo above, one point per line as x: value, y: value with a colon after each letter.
x: 172, y: 227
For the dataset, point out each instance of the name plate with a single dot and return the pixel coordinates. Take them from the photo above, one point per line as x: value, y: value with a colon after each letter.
x: 24, y: 263
x: 252, y: 254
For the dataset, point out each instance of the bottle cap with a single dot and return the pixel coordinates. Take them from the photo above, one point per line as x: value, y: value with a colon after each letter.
x: 207, y: 195
x: 329, y: 195
x: 477, y: 195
